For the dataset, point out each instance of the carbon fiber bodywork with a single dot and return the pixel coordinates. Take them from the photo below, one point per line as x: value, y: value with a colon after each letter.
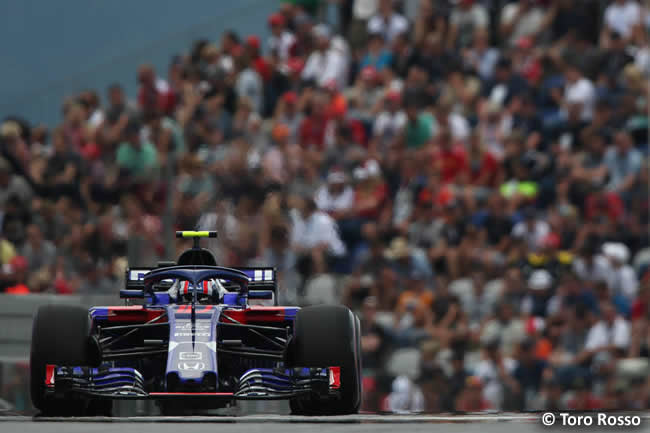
x: 224, y: 350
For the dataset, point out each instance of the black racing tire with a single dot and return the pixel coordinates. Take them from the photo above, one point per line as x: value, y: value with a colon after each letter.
x: 328, y: 336
x: 60, y: 336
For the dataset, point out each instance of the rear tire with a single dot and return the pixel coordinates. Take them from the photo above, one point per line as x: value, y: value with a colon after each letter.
x: 60, y: 336
x: 328, y: 336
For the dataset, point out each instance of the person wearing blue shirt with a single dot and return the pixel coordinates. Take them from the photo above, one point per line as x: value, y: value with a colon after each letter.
x: 377, y: 55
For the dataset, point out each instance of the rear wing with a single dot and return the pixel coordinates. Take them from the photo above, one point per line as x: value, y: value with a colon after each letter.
x: 263, y: 282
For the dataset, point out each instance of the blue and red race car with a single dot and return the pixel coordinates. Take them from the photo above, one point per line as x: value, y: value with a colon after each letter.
x: 195, y: 342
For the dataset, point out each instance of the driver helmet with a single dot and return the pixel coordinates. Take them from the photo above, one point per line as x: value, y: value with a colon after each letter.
x: 183, y: 290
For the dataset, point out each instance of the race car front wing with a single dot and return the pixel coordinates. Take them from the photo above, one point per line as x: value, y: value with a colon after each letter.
x: 254, y: 384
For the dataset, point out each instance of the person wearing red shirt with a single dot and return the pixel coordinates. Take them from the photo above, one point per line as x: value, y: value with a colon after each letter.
x: 471, y: 397
x: 604, y: 204
x: 154, y: 92
x: 450, y: 157
x: 639, y: 309
x: 584, y: 399
x: 337, y: 106
x: 371, y: 192
x: 18, y: 266
x: 435, y: 194
x: 482, y: 164
x: 259, y: 63
x: 312, y: 128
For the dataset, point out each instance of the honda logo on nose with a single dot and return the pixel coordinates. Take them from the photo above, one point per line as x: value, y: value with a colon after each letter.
x: 190, y: 356
x: 191, y: 366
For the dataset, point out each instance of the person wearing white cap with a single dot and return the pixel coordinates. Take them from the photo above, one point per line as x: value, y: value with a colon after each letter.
x: 336, y: 197
x: 620, y: 276
x: 536, y: 301
x: 329, y: 61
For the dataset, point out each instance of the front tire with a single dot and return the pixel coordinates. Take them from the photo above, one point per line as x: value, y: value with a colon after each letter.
x: 60, y: 336
x: 328, y: 336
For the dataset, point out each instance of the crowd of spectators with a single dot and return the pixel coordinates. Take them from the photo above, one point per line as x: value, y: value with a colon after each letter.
x: 470, y: 176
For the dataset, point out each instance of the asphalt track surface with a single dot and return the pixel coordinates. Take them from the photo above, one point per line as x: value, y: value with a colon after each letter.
x: 290, y: 424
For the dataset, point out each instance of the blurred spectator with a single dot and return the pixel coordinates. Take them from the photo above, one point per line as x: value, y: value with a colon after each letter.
x: 415, y: 297
x: 471, y: 397
x: 621, y: 17
x: 391, y: 120
x: 387, y: 21
x: 509, y: 328
x: 494, y: 373
x: 281, y: 40
x: 466, y: 20
x: 18, y: 276
x: 37, y: 251
x: 457, y: 380
x: 95, y: 114
x: 329, y: 61
x: 249, y: 84
x: 136, y: 157
x: 480, y: 56
x: 584, y: 399
x: 362, y: 11
x: 550, y: 396
x: 366, y: 94
x: 117, y: 114
x: 373, y: 336
x: 154, y: 92
x: 609, y: 336
x: 523, y: 18
x: 528, y: 373
x: 281, y: 161
x: 315, y: 229
x: 420, y: 125
x: 12, y: 185
x: 579, y: 93
x: 532, y: 229
x: 336, y: 197
x: 288, y: 113
x: 539, y: 285
x: 623, y: 163
x: 377, y: 56
x: 406, y: 397
x: 63, y: 171
x: 258, y: 62
x: 407, y: 260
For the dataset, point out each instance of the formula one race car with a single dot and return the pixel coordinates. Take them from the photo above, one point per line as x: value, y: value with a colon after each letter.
x: 195, y: 343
